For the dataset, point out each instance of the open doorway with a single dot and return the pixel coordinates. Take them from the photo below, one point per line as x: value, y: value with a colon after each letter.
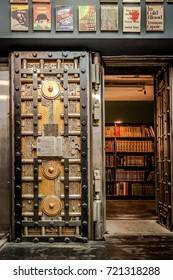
x: 137, y: 117
x: 129, y: 138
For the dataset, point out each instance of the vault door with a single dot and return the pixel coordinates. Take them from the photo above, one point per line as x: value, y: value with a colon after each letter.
x: 163, y: 176
x: 51, y: 93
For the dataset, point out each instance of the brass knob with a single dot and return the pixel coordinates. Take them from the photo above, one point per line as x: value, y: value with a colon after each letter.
x: 51, y: 205
x: 51, y: 169
x: 50, y: 88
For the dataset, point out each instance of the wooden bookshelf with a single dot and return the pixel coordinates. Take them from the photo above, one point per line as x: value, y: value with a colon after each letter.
x: 130, y: 170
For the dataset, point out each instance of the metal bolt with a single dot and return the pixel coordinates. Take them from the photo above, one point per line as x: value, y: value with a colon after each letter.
x: 35, y: 205
x: 66, y: 206
x: 83, y: 106
x: 35, y: 240
x: 18, y: 187
x: 85, y: 239
x: 17, y: 106
x: 84, y: 169
x: 34, y: 54
x: 66, y: 123
x: 17, y: 123
x: 83, y: 54
x: 66, y: 169
x: 83, y: 88
x: 34, y: 88
x: 35, y: 71
x: 65, y: 54
x: 36, y: 223
x: 84, y: 187
x: 17, y: 71
x: 83, y: 122
x: 35, y: 169
x: 84, y: 138
x: 65, y: 70
x: 18, y: 169
x: 65, y: 105
x: 84, y: 223
x: 51, y: 240
x: 83, y: 70
x: 66, y: 188
x: 17, y: 138
x: 16, y: 54
x: 18, y: 205
x: 66, y: 224
x: 49, y: 54
x: 35, y: 105
x: 84, y: 154
x: 66, y: 240
x: 51, y: 224
x: 66, y: 88
x: 17, y: 154
x: 84, y: 205
x: 35, y: 187
x: 18, y: 223
x: 17, y: 88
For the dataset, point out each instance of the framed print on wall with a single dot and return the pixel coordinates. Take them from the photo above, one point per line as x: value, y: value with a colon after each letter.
x: 87, y: 18
x: 155, y: 18
x: 131, y: 19
x: 64, y: 18
x: 109, y: 18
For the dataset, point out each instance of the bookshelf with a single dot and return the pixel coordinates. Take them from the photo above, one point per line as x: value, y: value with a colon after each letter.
x: 130, y: 170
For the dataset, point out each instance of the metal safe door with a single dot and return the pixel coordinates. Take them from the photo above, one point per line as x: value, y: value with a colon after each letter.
x: 163, y: 160
x: 51, y: 96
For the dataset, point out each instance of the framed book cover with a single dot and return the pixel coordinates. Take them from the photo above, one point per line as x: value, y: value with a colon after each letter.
x: 42, y: 17
x: 131, y: 1
x: 155, y: 18
x: 153, y: 1
x: 131, y: 19
x: 87, y: 18
x: 109, y: 18
x: 41, y: 1
x: 64, y: 18
x: 19, y: 17
x: 108, y: 1
x: 18, y: 1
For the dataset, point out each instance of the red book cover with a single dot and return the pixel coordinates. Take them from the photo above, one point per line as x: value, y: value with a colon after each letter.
x: 42, y: 17
x: 18, y: 1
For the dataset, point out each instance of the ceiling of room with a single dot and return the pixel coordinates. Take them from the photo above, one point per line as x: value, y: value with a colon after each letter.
x: 129, y: 88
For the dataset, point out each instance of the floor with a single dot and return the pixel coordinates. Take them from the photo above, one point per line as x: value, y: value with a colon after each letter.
x: 127, y: 237
x: 150, y: 241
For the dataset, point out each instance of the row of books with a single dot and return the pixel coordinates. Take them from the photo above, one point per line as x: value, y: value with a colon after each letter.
x: 134, y: 131
x: 134, y: 175
x: 110, y: 175
x: 110, y: 161
x: 130, y: 189
x: 134, y: 146
x: 145, y: 161
x: 110, y: 145
x: 109, y: 131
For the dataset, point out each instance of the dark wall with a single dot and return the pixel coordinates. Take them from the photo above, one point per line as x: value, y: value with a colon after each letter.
x: 129, y: 111
x: 108, y: 43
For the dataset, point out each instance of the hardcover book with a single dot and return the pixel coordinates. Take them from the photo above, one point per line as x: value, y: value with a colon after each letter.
x: 131, y: 19
x: 42, y: 17
x: 18, y: 1
x: 109, y: 17
x: 87, y: 18
x: 155, y: 18
x: 64, y: 18
x: 19, y: 17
